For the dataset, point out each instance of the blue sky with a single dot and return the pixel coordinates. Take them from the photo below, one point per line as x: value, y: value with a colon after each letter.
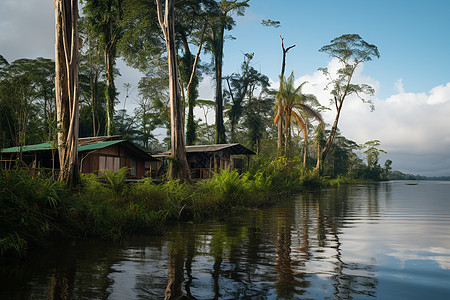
x: 412, y: 37
x: 411, y: 78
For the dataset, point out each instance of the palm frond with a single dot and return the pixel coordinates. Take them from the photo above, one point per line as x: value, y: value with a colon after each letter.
x: 301, y: 122
x: 310, y: 111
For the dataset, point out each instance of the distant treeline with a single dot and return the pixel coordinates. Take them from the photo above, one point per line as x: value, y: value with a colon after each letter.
x: 397, y: 175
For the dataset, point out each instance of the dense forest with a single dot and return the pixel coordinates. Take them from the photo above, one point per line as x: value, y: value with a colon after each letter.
x: 273, y: 123
x: 175, y: 44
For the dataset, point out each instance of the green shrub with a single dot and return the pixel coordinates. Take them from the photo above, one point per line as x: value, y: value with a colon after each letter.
x: 28, y: 209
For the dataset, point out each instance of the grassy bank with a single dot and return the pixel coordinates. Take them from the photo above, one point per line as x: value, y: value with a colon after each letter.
x: 36, y: 210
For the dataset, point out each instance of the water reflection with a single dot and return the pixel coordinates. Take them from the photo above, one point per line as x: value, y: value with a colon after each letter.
x: 299, y: 240
x: 353, y: 242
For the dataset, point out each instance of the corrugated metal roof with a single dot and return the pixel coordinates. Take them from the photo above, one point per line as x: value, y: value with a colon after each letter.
x: 82, y: 148
x: 48, y: 146
x: 29, y: 148
x: 235, y: 149
x: 96, y: 139
x: 99, y: 145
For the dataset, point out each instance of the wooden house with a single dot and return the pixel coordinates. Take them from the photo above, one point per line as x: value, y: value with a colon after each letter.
x: 204, y: 159
x: 94, y: 154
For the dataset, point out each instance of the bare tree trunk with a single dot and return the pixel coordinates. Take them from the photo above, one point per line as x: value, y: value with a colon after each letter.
x: 305, y: 148
x: 280, y: 108
x: 287, y: 133
x: 66, y: 88
x: 93, y: 87
x: 110, y: 94
x: 179, y: 168
x: 110, y: 33
x: 191, y: 135
x: 329, y: 142
x: 218, y: 57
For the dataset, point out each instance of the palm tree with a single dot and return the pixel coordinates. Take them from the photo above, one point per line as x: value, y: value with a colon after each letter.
x: 297, y: 107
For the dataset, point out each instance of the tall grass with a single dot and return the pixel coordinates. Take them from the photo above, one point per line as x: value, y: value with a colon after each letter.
x: 106, y: 206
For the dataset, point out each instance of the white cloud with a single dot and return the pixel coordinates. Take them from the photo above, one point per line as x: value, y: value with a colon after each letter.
x: 414, y: 125
x: 399, y: 86
x: 439, y: 94
x: 437, y: 254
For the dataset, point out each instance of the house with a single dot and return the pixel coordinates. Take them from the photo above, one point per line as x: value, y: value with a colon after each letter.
x: 94, y: 154
x: 203, y: 159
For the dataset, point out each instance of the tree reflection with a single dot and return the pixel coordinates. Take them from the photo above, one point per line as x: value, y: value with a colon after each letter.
x: 176, y: 270
x: 333, y: 212
x: 181, y: 250
x: 295, y: 249
x: 286, y: 282
x: 306, y: 246
x: 61, y: 285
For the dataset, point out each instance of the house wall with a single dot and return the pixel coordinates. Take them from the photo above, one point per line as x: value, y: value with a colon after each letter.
x: 113, y: 158
x: 203, y: 163
x: 33, y: 160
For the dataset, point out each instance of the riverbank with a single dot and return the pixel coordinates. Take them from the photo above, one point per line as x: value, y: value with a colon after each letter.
x: 36, y: 211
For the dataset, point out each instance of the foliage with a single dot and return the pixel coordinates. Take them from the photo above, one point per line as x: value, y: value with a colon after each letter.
x: 221, y: 20
x: 295, y: 106
x: 116, y: 181
x: 257, y: 123
x: 351, y: 51
x: 26, y: 100
x: 342, y: 159
x: 104, y: 24
x: 29, y: 208
x: 372, y: 153
x: 35, y: 209
x: 241, y: 89
x: 288, y: 174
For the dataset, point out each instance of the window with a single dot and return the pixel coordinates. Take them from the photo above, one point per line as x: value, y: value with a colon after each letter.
x: 109, y: 162
x: 133, y: 167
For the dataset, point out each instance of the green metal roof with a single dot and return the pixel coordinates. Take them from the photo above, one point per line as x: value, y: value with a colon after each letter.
x: 29, y: 148
x: 48, y: 146
x: 100, y: 145
x: 87, y: 147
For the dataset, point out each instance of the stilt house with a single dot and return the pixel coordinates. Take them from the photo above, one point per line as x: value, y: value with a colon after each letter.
x: 94, y: 154
x: 204, y: 159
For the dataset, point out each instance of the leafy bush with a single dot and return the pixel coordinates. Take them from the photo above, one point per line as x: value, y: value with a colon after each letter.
x: 28, y: 209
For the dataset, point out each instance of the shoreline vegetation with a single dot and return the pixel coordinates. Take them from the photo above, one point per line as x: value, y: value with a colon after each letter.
x: 35, y: 211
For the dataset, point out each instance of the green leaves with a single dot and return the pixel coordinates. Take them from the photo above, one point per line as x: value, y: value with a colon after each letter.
x: 350, y: 50
x: 351, y: 47
x: 270, y: 23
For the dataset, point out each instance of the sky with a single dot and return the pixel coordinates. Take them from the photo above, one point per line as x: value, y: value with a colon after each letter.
x: 411, y: 77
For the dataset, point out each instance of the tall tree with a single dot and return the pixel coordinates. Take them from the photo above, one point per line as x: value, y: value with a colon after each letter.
x: 372, y: 153
x: 280, y: 121
x: 258, y: 117
x: 66, y: 88
x: 191, y: 24
x: 153, y: 109
x: 105, y: 17
x: 351, y: 51
x: 179, y: 167
x: 295, y: 106
x: 241, y: 87
x: 93, y: 87
x: 222, y: 21
x: 342, y: 159
x: 27, y: 101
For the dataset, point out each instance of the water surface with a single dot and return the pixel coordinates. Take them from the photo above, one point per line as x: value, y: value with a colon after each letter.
x: 386, y: 241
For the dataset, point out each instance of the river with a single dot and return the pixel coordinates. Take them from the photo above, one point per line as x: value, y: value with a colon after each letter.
x: 387, y: 240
